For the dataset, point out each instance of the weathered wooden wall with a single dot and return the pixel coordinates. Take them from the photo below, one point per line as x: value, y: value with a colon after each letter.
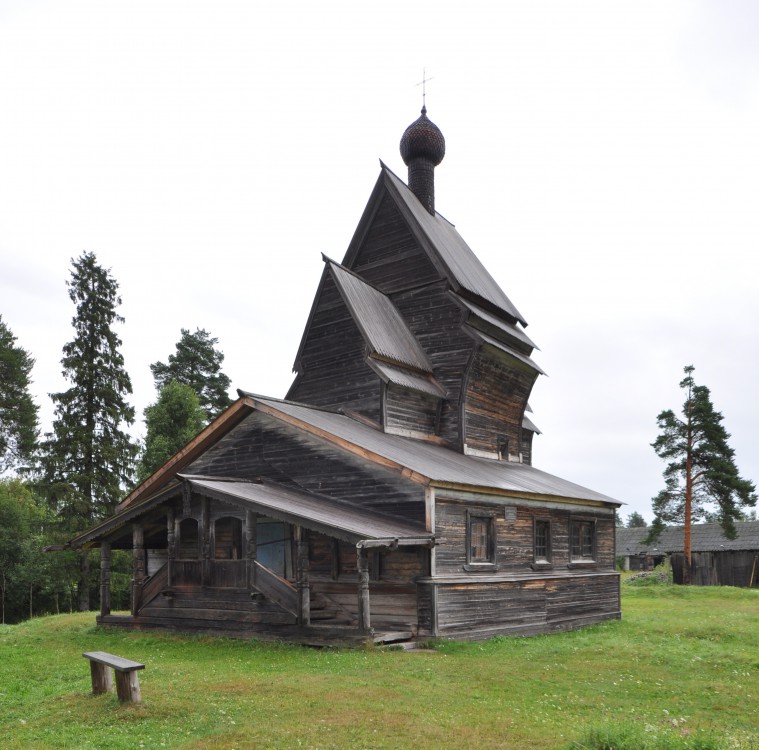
x: 473, y: 611
x: 408, y: 410
x: 261, y: 446
x: 497, y: 389
x: 332, y: 367
x: 515, y: 538
x: 725, y: 568
x: 390, y: 257
x: 518, y: 594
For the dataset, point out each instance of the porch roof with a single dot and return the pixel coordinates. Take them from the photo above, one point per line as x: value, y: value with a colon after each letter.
x: 314, y: 512
x: 325, y: 515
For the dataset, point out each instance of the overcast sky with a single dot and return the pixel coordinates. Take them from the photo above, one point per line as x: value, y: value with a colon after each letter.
x: 602, y: 161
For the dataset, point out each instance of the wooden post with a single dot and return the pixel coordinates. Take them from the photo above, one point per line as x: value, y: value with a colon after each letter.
x: 128, y: 687
x: 364, y: 614
x: 301, y: 576
x: 205, y: 531
x: 251, y: 547
x: 138, y: 565
x: 105, y: 578
x: 171, y: 546
x: 102, y: 678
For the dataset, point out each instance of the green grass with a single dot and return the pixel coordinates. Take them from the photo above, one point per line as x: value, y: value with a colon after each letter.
x: 680, y: 671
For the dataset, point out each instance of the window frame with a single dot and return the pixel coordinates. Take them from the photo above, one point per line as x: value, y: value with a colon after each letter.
x: 580, y: 523
x: 476, y: 565
x: 542, y: 561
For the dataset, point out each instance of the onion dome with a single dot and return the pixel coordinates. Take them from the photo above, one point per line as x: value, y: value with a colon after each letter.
x: 422, y: 149
x: 423, y: 140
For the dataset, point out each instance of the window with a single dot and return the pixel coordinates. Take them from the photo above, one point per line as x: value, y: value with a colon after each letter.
x: 583, y: 540
x: 480, y: 541
x: 542, y: 542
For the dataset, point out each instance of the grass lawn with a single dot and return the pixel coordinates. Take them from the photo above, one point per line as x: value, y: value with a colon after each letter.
x: 682, y: 666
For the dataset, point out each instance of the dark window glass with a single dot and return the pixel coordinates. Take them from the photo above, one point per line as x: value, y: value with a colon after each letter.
x: 542, y: 540
x: 582, y: 539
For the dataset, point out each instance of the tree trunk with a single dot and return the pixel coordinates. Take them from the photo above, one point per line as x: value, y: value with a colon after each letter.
x: 688, y: 498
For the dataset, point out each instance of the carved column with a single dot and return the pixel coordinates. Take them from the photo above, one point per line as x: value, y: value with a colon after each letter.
x: 364, y: 616
x: 301, y: 576
x: 105, y: 578
x: 251, y: 547
x: 171, y: 546
x: 138, y: 565
x: 205, y: 532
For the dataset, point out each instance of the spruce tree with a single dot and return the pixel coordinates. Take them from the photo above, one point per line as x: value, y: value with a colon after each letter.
x: 701, y: 474
x: 88, y: 459
x: 18, y: 412
x: 635, y: 521
x: 197, y: 363
x: 172, y: 421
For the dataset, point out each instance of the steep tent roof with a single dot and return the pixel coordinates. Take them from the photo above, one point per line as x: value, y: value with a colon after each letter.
x: 440, y: 238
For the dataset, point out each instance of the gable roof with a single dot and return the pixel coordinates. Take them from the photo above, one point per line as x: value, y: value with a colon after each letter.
x: 425, y: 462
x: 705, y: 537
x: 417, y: 460
x: 440, y: 239
x: 381, y: 324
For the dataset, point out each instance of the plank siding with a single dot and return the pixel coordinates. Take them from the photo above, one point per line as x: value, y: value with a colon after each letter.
x: 474, y: 611
x: 436, y: 321
x: 389, y: 257
x: 263, y: 446
x: 515, y: 539
x: 410, y: 410
x: 497, y: 391
x: 332, y: 369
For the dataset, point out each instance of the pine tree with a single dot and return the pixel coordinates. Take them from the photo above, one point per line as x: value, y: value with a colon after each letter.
x: 701, y: 473
x: 172, y: 421
x: 197, y: 363
x: 88, y: 459
x: 18, y: 412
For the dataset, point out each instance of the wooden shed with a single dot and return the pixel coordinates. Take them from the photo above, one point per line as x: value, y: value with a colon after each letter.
x: 715, y: 559
x: 391, y: 494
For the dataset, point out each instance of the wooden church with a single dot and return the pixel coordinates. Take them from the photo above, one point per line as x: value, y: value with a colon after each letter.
x: 391, y: 495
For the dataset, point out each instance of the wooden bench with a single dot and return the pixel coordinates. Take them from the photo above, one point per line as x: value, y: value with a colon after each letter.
x: 127, y: 683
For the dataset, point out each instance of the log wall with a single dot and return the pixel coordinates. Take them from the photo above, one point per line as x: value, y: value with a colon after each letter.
x: 514, y: 530
x: 473, y: 611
